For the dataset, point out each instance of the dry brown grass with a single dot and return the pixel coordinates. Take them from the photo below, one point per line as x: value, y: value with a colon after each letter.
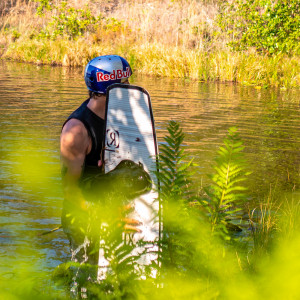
x: 179, y: 23
x: 20, y: 17
x: 188, y: 24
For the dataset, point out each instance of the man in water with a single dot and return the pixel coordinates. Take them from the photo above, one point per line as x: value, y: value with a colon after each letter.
x: 81, y: 146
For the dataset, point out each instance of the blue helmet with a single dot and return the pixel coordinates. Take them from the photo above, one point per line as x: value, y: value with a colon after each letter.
x: 102, y: 71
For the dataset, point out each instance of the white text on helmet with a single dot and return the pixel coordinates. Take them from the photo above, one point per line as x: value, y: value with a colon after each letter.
x: 119, y: 74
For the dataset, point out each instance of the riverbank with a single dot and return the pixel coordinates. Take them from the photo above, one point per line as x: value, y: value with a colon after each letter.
x: 174, y: 39
x: 152, y: 59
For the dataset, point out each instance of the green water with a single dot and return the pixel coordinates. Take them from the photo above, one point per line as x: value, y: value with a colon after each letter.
x: 35, y: 101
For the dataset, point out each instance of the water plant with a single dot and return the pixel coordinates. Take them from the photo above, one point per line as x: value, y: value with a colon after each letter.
x: 226, y: 195
x: 175, y: 195
x: 184, y: 213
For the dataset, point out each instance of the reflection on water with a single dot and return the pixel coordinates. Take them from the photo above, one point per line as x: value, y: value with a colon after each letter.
x: 35, y: 101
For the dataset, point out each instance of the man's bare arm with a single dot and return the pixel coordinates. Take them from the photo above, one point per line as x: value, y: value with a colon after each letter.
x: 74, y: 146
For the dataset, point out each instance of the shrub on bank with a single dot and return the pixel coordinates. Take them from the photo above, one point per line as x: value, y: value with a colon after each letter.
x: 269, y: 26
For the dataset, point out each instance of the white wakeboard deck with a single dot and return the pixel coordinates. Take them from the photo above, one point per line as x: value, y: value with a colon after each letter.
x: 130, y: 134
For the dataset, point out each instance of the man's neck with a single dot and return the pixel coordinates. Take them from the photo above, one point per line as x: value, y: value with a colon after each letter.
x: 97, y: 105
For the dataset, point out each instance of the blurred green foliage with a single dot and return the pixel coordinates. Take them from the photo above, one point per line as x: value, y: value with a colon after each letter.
x: 270, y: 27
x: 194, y: 262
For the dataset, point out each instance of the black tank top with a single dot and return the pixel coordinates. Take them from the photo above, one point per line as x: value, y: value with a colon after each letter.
x: 95, y: 127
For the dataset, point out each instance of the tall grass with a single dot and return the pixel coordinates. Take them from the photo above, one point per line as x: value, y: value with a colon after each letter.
x: 161, y: 38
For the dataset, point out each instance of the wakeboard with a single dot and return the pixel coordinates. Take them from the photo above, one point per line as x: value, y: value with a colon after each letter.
x: 130, y: 135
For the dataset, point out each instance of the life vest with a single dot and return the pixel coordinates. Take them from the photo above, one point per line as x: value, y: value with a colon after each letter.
x: 95, y: 127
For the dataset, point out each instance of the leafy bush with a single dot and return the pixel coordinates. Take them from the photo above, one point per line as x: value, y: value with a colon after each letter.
x: 268, y: 26
x: 68, y: 21
x: 43, y: 6
x: 72, y: 22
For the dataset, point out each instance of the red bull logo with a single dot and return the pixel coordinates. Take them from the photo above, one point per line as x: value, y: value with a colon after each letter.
x: 116, y: 74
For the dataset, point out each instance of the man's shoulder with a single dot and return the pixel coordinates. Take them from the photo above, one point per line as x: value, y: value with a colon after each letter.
x: 74, y: 127
x: 74, y: 137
